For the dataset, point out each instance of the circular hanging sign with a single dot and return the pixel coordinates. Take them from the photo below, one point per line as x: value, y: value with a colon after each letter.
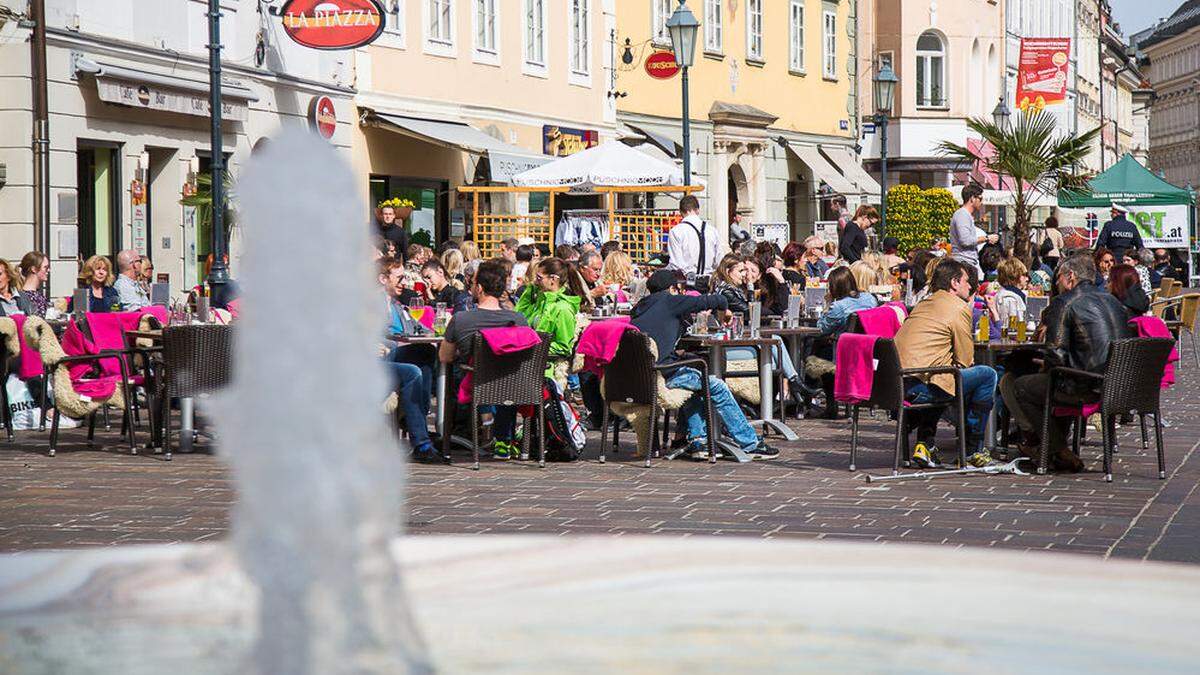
x: 322, y: 116
x: 333, y: 24
x: 661, y: 65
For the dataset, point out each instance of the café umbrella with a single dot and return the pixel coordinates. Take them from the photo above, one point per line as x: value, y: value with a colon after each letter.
x: 611, y: 164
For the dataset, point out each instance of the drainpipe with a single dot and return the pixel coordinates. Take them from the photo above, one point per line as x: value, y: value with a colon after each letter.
x: 41, y: 130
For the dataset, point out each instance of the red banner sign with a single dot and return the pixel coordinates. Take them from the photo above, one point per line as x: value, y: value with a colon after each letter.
x: 1042, y: 73
x: 323, y: 116
x: 661, y: 65
x: 333, y: 24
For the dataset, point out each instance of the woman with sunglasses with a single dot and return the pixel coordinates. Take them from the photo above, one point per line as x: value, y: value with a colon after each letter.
x: 550, y: 307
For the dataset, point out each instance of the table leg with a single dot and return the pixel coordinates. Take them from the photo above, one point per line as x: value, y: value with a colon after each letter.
x: 989, y: 428
x: 766, y: 384
x: 187, y: 424
x: 441, y: 417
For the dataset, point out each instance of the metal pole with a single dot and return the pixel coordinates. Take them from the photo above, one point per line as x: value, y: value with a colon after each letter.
x: 883, y: 125
x: 218, y: 274
x: 1100, y: 79
x: 41, y: 132
x: 687, y: 133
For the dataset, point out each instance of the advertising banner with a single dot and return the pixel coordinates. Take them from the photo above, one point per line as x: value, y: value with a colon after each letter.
x: 1160, y: 226
x: 1042, y: 72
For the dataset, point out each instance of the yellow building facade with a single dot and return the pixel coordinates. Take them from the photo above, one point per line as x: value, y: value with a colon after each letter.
x: 459, y: 92
x: 772, y: 107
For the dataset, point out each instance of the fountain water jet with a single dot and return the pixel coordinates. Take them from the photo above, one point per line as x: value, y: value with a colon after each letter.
x: 319, y: 481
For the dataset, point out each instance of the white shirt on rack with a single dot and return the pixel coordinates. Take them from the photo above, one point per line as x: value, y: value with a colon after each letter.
x: 683, y: 246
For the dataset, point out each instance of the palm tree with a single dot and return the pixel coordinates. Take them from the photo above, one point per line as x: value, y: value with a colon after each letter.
x: 1037, y: 159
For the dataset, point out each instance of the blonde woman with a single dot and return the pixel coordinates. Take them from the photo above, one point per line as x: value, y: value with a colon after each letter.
x: 97, y: 277
x: 617, y: 271
x: 453, y: 262
x: 470, y: 251
x: 12, y: 300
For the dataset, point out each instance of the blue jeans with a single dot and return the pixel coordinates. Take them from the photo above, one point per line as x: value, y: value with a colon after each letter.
x: 779, y: 356
x: 421, y: 356
x: 693, y: 414
x: 407, y: 380
x: 979, y: 395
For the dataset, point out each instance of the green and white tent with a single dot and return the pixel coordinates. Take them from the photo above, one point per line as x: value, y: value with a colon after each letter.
x: 1127, y: 183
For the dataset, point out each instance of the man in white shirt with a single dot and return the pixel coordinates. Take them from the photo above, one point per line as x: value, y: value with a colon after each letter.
x: 692, y: 246
x: 130, y: 293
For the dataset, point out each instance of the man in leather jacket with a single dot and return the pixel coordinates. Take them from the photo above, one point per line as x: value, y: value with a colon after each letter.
x: 1079, y: 326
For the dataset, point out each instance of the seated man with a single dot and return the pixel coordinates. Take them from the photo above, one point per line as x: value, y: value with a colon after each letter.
x: 130, y: 292
x: 392, y: 276
x: 660, y: 315
x: 409, y: 366
x: 1079, y: 326
x: 491, y: 284
x: 938, y: 333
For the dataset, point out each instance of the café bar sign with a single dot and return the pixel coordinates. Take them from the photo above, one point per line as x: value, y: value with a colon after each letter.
x: 333, y: 24
x: 155, y: 97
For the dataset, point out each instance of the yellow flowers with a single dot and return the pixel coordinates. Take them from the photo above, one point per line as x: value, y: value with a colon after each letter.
x: 397, y: 203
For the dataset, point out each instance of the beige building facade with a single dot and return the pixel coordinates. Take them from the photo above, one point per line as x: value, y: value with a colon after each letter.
x: 1172, y: 53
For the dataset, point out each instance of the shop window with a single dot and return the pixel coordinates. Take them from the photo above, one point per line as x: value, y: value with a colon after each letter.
x: 428, y: 225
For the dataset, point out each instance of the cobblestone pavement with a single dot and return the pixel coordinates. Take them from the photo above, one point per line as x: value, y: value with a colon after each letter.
x: 97, y: 496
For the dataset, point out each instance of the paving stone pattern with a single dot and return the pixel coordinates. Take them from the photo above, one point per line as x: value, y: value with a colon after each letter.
x: 98, y: 496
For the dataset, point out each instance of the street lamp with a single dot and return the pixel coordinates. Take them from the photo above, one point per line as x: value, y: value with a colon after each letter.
x: 1001, y: 115
x: 683, y: 27
x: 885, y: 94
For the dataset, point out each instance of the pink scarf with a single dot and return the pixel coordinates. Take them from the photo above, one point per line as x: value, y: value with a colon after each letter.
x: 855, y: 367
x: 599, y: 341
x: 505, y: 340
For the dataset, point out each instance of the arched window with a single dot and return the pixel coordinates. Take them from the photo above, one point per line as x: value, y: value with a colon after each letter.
x: 931, y: 71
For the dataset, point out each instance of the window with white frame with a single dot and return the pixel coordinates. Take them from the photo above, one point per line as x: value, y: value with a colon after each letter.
x: 661, y: 11
x: 580, y: 37
x: 796, y: 37
x: 754, y: 30
x: 829, y: 44
x: 485, y: 26
x: 931, y: 70
x: 439, y: 23
x: 535, y: 32
x: 713, y: 31
x: 394, y: 19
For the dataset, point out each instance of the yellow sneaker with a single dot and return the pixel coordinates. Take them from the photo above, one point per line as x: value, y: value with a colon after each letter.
x: 926, y: 457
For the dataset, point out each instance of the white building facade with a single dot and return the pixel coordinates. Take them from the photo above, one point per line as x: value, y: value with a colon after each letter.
x: 127, y: 92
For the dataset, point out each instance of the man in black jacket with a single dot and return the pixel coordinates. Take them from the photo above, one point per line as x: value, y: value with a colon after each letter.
x: 1080, y: 325
x: 1119, y: 235
x: 660, y: 315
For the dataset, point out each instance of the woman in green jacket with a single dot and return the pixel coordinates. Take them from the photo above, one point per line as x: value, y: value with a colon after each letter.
x: 550, y: 308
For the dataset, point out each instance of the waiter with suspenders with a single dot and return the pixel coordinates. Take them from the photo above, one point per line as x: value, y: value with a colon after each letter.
x: 692, y: 245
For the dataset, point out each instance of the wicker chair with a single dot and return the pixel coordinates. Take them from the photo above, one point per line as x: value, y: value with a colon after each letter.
x: 1131, y: 383
x: 10, y: 350
x: 887, y: 393
x: 640, y: 383
x: 196, y: 360
x: 515, y: 379
x: 1188, y: 306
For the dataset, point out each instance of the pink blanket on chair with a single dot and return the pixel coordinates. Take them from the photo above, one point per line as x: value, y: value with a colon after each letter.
x: 599, y: 341
x: 855, y: 367
x: 506, y: 340
x: 29, y: 364
x: 880, y: 322
x: 1153, y: 327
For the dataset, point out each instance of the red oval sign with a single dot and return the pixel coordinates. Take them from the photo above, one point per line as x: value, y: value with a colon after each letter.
x: 323, y: 116
x: 661, y: 65
x: 333, y: 24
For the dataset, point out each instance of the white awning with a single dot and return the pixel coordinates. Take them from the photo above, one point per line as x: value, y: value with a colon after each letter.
x: 823, y: 170
x: 851, y: 168
x: 505, y: 160
x: 155, y: 91
x: 610, y: 164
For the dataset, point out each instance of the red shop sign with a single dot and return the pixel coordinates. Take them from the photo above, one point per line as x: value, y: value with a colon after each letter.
x: 333, y: 24
x: 322, y: 116
x: 661, y: 65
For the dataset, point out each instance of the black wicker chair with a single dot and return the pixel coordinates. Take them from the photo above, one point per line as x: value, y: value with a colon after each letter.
x: 1131, y: 383
x: 637, y: 384
x: 516, y: 379
x: 5, y: 369
x: 887, y: 393
x: 195, y: 360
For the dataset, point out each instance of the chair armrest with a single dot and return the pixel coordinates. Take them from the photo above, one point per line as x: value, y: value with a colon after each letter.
x: 699, y: 364
x: 82, y: 358
x: 933, y: 370
x: 1075, y: 372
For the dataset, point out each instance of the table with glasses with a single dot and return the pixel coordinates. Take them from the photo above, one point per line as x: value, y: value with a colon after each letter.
x: 990, y: 353
x: 715, y: 346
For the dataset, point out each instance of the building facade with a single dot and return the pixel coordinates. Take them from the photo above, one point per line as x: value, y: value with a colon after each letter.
x: 949, y: 57
x: 129, y: 128
x: 1171, y: 53
x: 772, y: 105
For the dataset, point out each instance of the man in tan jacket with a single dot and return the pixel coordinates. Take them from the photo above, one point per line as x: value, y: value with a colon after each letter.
x: 939, y: 332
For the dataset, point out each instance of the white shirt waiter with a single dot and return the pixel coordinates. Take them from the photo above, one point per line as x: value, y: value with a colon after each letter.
x: 692, y: 245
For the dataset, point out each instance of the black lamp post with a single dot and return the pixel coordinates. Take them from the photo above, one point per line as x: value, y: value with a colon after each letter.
x: 683, y: 27
x: 885, y: 93
x: 1001, y: 118
x: 218, y: 274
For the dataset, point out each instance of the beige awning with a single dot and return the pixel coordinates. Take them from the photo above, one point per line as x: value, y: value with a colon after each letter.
x: 822, y: 169
x: 851, y: 168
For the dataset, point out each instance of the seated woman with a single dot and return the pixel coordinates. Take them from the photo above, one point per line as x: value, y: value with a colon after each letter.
x: 844, y: 299
x: 97, y: 277
x: 12, y: 300
x: 550, y: 308
x: 774, y: 289
x: 731, y: 279
x: 1013, y: 279
x: 440, y: 289
x: 794, y: 268
x: 616, y: 274
x: 1124, y: 282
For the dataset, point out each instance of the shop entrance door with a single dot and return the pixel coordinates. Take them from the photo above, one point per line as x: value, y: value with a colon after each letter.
x: 429, y: 223
x: 98, y: 171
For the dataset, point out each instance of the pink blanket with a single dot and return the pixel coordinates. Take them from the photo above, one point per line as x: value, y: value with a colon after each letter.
x: 1147, y: 327
x: 108, y: 332
x: 880, y: 322
x: 75, y: 343
x: 855, y: 367
x: 506, y: 340
x: 599, y: 341
x: 157, y: 311
x: 30, y: 362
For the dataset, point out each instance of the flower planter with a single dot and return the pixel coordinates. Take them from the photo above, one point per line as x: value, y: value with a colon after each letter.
x: 403, y: 212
